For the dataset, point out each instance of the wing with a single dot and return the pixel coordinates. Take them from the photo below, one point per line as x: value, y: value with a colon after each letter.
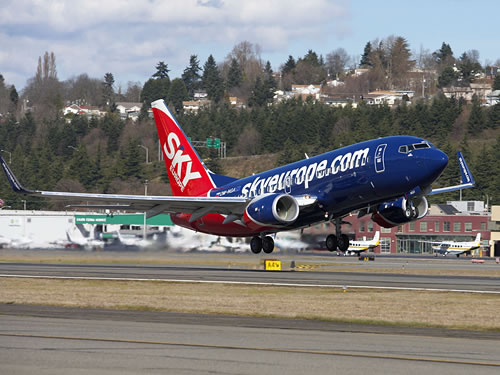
x: 466, y: 181
x: 152, y: 205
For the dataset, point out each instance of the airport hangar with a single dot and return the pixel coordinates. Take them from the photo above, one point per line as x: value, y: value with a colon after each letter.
x: 454, y: 221
x: 44, y: 227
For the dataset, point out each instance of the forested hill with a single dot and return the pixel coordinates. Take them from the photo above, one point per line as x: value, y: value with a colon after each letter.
x: 105, y: 155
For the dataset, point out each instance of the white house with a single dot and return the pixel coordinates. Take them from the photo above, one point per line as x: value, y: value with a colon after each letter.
x: 128, y: 110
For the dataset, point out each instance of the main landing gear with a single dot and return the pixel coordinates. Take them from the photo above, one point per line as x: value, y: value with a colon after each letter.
x: 340, y: 241
x: 265, y: 243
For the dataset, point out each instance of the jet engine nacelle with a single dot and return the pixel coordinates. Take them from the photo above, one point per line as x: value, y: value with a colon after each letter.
x: 272, y: 209
x: 400, y: 211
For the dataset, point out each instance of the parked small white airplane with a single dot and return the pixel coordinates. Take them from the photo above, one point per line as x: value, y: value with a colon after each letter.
x: 357, y: 247
x: 455, y: 248
x: 88, y: 243
x: 133, y: 240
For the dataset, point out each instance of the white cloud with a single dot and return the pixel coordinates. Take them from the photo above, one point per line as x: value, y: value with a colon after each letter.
x: 128, y: 37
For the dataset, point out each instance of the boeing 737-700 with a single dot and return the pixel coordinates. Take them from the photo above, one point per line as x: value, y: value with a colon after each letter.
x: 387, y: 178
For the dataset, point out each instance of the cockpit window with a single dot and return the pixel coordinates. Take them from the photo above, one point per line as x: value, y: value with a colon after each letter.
x: 416, y: 146
x: 421, y: 145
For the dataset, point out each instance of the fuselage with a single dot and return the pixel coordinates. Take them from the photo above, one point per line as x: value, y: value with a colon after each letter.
x: 342, y: 180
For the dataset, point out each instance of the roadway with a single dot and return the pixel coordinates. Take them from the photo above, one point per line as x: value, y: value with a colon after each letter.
x: 219, y: 273
x: 56, y: 340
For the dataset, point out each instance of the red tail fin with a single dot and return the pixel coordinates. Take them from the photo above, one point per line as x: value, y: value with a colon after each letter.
x: 186, y: 172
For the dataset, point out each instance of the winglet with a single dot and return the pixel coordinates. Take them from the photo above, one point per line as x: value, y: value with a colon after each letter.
x: 464, y: 171
x: 466, y: 181
x: 14, y: 183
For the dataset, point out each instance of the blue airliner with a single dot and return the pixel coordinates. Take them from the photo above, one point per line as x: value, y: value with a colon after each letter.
x: 387, y: 178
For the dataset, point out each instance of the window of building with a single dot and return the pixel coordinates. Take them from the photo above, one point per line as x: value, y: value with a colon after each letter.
x: 468, y: 227
x: 370, y: 226
x: 483, y: 226
x: 446, y: 226
x: 457, y: 227
x: 362, y: 226
x: 385, y: 230
x: 423, y: 226
x: 436, y: 226
x: 470, y: 206
x: 411, y: 226
x: 385, y: 245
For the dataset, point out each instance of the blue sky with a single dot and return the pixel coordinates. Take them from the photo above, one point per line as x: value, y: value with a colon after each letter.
x: 128, y: 37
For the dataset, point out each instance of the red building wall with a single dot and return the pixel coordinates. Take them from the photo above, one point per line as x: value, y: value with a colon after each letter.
x: 405, y: 238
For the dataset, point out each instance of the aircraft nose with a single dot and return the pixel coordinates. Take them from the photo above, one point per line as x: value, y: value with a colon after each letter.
x: 435, y: 162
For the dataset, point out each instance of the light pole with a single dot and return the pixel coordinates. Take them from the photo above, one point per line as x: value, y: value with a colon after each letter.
x: 147, y: 153
x: 22, y: 200
x: 145, y: 227
x: 10, y: 155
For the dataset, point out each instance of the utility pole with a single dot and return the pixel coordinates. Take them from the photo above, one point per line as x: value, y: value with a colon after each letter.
x: 147, y: 153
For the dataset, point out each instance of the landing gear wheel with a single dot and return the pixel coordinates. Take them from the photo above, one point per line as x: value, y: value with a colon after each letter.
x: 343, y: 242
x: 331, y: 242
x: 267, y: 245
x: 256, y: 244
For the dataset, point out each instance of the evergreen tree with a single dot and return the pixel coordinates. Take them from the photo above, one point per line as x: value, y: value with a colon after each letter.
x: 234, y: 75
x: 447, y: 77
x: 14, y: 97
x: 494, y: 116
x: 177, y: 94
x: 212, y: 81
x: 444, y: 56
x: 401, y: 62
x: 365, y: 61
x: 107, y: 90
x: 191, y: 75
x: 468, y: 67
x: 81, y: 168
x: 476, y: 122
x: 289, y: 65
x: 161, y: 71
x: 269, y: 81
x: 496, y: 82
x: 132, y: 160
x: 311, y: 58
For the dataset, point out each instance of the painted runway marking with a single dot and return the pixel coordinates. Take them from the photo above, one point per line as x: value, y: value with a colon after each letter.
x: 255, y: 283
x: 279, y: 350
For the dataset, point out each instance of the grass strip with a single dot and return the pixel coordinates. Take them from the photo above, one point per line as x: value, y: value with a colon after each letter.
x: 409, y: 308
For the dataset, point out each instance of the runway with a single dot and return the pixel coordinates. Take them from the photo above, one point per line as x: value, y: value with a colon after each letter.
x: 49, y: 340
x: 220, y: 274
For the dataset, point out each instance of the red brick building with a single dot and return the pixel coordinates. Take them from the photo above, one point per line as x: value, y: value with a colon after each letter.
x: 443, y: 222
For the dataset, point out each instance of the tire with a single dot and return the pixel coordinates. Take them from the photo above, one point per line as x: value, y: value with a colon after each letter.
x: 331, y: 242
x: 268, y: 245
x: 343, y: 242
x: 256, y: 244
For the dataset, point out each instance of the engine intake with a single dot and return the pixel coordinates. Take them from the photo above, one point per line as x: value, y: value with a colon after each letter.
x: 400, y: 211
x: 272, y: 209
